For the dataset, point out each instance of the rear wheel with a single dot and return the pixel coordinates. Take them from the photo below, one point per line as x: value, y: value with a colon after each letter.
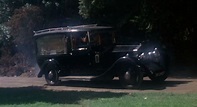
x: 51, y: 76
x: 131, y: 77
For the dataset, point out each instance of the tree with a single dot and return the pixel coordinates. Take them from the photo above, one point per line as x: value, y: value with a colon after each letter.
x: 60, y: 12
x: 6, y: 41
x: 169, y: 20
x: 109, y: 12
x: 22, y: 24
x: 4, y: 11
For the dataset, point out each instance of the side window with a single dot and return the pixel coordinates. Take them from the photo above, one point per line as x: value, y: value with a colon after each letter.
x: 95, y: 39
x: 106, y: 39
x: 102, y: 41
x: 102, y: 38
x: 79, y: 40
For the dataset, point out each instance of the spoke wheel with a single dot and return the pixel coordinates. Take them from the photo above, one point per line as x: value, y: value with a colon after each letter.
x: 131, y: 78
x: 51, y: 77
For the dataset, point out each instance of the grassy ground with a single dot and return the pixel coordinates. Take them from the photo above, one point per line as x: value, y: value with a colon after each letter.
x: 37, y: 97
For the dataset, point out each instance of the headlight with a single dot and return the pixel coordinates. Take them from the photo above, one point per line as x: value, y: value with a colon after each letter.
x: 153, y: 55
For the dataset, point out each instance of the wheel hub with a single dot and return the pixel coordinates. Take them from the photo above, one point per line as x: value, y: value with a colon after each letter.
x: 50, y: 75
x: 127, y: 76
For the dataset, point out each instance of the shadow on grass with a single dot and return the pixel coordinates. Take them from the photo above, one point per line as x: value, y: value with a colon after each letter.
x: 112, y: 84
x: 150, y: 85
x: 30, y: 95
x: 115, y: 84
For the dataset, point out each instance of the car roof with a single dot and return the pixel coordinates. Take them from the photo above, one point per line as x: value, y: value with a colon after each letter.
x: 79, y: 28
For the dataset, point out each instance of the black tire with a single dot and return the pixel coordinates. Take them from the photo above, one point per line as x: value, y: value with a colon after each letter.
x: 51, y: 76
x: 130, y: 77
x: 162, y: 73
x: 161, y: 78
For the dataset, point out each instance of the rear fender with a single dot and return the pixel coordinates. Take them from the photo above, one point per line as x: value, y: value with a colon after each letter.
x: 48, y: 63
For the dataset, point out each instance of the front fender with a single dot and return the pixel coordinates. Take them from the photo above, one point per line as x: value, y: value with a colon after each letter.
x: 127, y: 61
x: 114, y: 69
x: 47, y: 63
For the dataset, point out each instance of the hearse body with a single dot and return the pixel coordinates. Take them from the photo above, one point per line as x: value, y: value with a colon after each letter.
x: 91, y: 50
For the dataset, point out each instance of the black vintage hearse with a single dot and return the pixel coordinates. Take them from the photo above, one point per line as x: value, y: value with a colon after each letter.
x: 92, y: 50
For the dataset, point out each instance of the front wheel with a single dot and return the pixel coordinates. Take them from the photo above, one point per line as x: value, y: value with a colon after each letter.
x: 51, y: 76
x: 161, y: 73
x: 159, y: 77
x: 131, y: 77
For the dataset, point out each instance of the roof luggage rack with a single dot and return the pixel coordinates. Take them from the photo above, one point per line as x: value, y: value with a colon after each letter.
x: 71, y: 28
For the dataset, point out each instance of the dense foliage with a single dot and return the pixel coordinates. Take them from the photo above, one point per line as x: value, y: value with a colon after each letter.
x: 173, y: 20
x: 22, y: 24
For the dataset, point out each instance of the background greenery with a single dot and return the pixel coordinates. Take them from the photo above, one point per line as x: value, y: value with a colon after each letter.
x: 172, y: 22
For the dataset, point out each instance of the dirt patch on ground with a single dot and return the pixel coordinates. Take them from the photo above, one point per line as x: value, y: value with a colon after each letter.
x: 171, y: 85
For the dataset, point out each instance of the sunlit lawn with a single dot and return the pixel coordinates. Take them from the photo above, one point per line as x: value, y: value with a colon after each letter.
x: 37, y: 97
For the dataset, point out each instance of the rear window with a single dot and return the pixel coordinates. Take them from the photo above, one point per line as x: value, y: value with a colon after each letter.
x: 52, y: 44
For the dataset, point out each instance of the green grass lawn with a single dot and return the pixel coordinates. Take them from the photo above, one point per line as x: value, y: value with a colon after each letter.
x: 37, y: 97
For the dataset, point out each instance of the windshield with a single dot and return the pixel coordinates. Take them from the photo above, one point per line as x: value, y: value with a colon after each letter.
x: 52, y: 44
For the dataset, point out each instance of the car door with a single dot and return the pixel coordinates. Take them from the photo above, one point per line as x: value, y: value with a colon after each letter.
x: 80, y: 50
